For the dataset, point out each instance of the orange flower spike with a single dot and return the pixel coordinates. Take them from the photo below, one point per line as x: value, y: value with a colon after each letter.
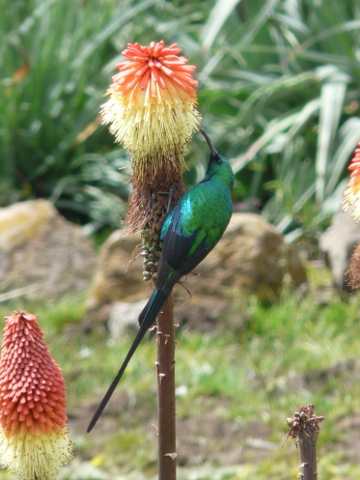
x: 352, y: 193
x: 152, y: 105
x: 34, y: 441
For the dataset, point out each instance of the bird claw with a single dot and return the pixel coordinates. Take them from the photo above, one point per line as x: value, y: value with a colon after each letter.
x: 182, y: 283
x: 196, y: 274
x: 170, y: 193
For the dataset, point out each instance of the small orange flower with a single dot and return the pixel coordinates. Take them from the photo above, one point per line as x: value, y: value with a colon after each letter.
x: 352, y: 193
x: 34, y: 441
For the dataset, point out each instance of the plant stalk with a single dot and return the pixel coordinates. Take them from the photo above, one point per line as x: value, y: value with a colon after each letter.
x: 166, y: 391
x: 307, y: 446
x: 305, y: 429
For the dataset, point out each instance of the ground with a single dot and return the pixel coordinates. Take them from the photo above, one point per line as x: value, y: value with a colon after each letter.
x: 235, y: 389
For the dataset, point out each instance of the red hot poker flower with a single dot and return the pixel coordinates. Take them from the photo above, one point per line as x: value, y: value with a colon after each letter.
x: 152, y: 111
x: 152, y: 105
x: 34, y: 440
x: 352, y: 193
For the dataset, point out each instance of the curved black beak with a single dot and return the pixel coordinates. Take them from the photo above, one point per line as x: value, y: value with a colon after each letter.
x: 209, y: 142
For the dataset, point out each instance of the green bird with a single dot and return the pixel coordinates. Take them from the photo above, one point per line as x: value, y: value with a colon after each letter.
x: 190, y: 231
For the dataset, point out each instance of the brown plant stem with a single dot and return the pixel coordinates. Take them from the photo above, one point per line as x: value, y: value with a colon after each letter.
x: 304, y: 429
x: 166, y: 391
x: 307, y: 445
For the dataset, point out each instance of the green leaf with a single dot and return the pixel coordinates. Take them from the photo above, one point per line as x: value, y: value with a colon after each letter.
x: 218, y: 16
x: 332, y: 100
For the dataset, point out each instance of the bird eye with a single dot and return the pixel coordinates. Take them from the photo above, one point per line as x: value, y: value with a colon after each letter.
x: 218, y: 160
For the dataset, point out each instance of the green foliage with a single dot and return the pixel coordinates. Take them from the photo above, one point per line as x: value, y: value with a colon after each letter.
x: 278, y: 92
x: 57, y: 58
x: 281, y: 82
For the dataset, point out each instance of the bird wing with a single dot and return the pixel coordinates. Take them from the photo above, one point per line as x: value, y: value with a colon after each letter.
x: 181, y: 252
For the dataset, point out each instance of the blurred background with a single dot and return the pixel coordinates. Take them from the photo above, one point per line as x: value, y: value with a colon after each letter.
x: 279, y: 92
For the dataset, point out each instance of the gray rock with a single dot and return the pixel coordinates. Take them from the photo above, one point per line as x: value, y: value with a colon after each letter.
x: 251, y: 258
x: 43, y: 252
x: 124, y: 317
x: 338, y: 243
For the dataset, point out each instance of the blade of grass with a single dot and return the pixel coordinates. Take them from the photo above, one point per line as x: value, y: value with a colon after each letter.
x: 218, y: 16
x: 332, y: 99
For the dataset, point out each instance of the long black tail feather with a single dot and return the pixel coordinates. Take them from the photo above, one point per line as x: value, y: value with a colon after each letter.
x: 146, y: 319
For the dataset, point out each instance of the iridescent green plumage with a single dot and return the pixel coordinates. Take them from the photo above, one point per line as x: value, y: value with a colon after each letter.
x: 190, y: 232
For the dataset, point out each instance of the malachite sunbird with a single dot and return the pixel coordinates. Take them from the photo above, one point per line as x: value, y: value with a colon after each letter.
x: 190, y: 231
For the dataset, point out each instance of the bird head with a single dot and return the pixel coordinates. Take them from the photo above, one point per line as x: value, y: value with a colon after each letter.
x: 218, y: 165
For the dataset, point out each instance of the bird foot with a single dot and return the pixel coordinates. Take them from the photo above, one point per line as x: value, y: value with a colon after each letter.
x: 170, y: 193
x: 182, y: 283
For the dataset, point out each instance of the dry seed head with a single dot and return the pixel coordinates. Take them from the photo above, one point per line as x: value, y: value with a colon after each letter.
x: 305, y: 417
x: 353, y: 274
